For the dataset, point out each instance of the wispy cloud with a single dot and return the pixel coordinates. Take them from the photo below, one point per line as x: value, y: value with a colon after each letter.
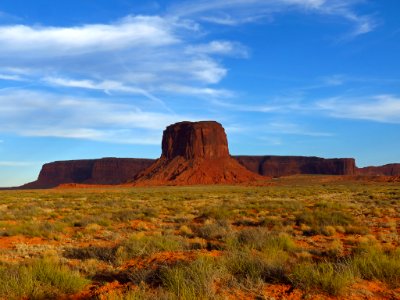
x: 237, y: 12
x: 380, y: 108
x: 134, y: 55
x: 139, y: 31
x: 6, y: 17
x: 15, y: 163
x: 211, y: 93
x: 10, y: 77
x: 295, y: 129
x: 270, y: 107
x: 32, y: 113
x: 107, y: 86
x: 219, y: 47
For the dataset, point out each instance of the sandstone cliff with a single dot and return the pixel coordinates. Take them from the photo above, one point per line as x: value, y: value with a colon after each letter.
x: 387, y: 170
x: 277, y: 166
x: 90, y: 171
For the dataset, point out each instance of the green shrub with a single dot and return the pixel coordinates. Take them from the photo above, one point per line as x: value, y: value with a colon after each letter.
x: 212, y: 231
x: 42, y: 278
x: 328, y: 277
x: 371, y: 262
x: 255, y: 267
x: 320, y: 218
x: 136, y: 245
x: 192, y: 281
x: 263, y: 240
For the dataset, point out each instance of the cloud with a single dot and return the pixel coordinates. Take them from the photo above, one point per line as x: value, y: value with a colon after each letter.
x: 136, y: 54
x: 197, y: 91
x: 15, y: 164
x: 262, y: 108
x: 5, y: 17
x: 219, y: 47
x: 106, y: 86
x: 138, y: 31
x: 380, y: 108
x: 237, y: 12
x: 33, y: 113
x: 10, y: 77
x: 294, y: 129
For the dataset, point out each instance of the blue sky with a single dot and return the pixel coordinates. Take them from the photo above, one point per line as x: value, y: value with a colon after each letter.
x: 89, y: 79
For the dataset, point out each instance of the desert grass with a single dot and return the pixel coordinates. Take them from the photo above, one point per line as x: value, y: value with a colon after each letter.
x: 39, y: 279
x: 315, y: 235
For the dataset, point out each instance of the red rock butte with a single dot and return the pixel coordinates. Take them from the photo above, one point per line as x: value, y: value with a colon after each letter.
x: 205, y: 139
x: 195, y: 153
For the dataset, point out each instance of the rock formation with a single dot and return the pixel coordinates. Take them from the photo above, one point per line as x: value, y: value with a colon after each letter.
x: 386, y: 170
x: 277, y: 166
x: 90, y: 171
x: 195, y: 153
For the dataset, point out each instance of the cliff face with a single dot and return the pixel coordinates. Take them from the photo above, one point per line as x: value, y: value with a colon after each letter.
x: 277, y: 166
x: 387, y: 170
x: 91, y: 171
x: 206, y: 139
x: 195, y: 153
x: 117, y: 170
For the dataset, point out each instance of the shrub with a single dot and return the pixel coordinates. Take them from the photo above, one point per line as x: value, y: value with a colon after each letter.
x: 254, y: 267
x: 329, y: 277
x: 263, y: 240
x: 42, y: 278
x: 371, y: 262
x: 212, y: 231
x: 192, y: 281
x: 320, y: 218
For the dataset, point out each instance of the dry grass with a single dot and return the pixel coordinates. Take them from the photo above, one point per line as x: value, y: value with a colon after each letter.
x: 200, y: 242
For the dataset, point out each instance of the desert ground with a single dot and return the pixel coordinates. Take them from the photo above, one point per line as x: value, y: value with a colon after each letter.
x: 297, y: 237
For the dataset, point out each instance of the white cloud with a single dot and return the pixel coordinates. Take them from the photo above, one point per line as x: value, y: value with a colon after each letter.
x: 32, y: 113
x: 236, y: 12
x: 10, y: 77
x: 219, y: 47
x: 133, y: 55
x: 15, y: 164
x: 106, y: 86
x: 139, y: 31
x: 380, y: 108
x: 197, y: 91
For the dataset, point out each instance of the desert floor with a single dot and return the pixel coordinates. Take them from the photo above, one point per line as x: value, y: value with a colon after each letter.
x: 299, y: 237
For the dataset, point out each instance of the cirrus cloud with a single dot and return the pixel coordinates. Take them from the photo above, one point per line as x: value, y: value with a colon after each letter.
x: 42, y: 114
x: 380, y: 108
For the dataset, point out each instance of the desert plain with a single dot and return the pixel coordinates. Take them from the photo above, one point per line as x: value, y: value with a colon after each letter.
x: 295, y: 237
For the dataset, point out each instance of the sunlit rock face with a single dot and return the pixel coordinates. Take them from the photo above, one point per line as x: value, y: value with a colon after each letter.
x: 277, y: 166
x: 89, y: 171
x: 195, y: 153
x: 206, y: 139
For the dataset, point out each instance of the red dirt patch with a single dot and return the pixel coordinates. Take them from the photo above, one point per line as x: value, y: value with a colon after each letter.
x: 167, y: 258
x: 9, y: 242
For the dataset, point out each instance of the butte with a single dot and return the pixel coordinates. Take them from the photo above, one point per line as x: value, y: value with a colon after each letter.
x: 195, y: 153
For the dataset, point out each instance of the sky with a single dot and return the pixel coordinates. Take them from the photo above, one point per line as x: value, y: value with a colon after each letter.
x: 98, y: 78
